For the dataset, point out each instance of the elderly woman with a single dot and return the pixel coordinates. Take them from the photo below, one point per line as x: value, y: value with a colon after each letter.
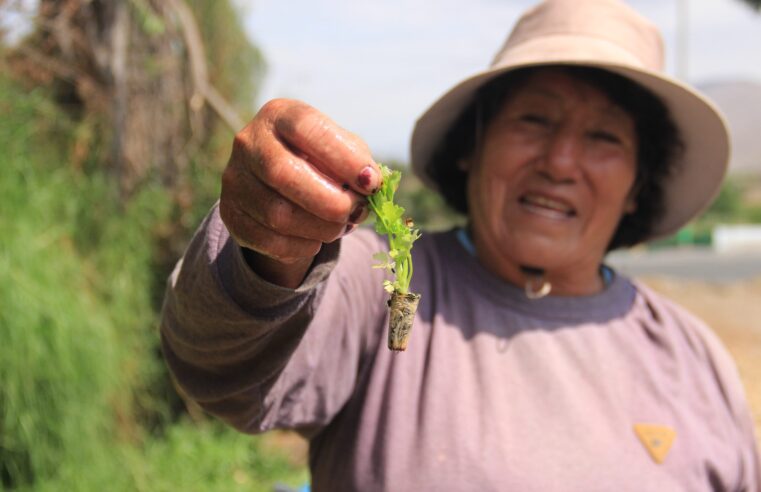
x: 532, y: 365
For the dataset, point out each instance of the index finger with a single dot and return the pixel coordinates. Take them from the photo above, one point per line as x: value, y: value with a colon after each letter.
x: 336, y: 152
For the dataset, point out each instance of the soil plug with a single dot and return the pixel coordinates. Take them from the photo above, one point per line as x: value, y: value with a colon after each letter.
x: 389, y: 220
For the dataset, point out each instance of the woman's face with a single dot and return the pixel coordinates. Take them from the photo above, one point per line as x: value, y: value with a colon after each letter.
x: 550, y: 181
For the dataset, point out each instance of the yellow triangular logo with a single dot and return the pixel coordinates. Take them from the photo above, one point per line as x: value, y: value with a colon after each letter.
x: 657, y: 439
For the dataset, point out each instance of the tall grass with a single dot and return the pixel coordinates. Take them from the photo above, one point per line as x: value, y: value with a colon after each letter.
x: 59, y: 366
x: 78, y: 344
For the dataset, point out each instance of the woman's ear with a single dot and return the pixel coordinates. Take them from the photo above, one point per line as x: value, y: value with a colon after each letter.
x: 630, y: 206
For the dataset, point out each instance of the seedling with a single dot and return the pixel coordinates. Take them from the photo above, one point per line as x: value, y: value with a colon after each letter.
x: 390, y: 220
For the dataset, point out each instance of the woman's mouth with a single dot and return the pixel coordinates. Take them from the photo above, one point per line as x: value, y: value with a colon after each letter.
x: 546, y: 206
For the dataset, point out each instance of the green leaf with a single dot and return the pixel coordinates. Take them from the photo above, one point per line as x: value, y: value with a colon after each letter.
x: 392, y: 214
x: 389, y: 220
x: 381, y: 257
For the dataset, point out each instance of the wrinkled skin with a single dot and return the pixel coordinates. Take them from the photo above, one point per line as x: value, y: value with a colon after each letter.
x: 550, y: 181
x: 294, y: 181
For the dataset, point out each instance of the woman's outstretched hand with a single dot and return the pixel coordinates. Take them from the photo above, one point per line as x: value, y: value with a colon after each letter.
x: 294, y: 181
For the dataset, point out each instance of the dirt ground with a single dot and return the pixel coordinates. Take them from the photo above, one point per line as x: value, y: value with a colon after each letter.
x: 733, y: 310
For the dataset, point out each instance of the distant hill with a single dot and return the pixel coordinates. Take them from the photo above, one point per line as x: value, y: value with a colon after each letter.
x: 740, y: 101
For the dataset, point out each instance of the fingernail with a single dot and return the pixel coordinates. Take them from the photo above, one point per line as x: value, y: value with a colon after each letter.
x: 357, y: 213
x: 367, y: 178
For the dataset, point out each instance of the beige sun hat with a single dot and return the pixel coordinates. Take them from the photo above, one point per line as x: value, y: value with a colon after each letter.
x: 606, y: 34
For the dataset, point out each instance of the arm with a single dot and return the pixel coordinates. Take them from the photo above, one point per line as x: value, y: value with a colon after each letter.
x: 259, y: 355
x: 708, y: 349
x: 252, y: 281
x: 732, y: 387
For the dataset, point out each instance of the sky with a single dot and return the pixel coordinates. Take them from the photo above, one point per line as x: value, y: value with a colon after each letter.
x: 375, y: 66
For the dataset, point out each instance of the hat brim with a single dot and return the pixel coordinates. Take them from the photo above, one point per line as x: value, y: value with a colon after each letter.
x: 698, y: 173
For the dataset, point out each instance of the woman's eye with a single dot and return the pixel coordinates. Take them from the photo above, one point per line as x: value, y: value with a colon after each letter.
x: 605, y: 136
x: 535, y: 119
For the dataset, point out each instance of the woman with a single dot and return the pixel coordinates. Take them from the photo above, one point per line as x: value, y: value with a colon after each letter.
x: 531, y: 365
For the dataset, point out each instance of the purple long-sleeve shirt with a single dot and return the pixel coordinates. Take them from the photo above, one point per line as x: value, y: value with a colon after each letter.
x: 495, y: 391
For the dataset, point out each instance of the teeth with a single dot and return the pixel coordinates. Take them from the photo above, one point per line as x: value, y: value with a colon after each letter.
x: 548, y: 203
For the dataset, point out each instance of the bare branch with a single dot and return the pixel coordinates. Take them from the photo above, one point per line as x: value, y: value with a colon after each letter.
x: 197, y: 58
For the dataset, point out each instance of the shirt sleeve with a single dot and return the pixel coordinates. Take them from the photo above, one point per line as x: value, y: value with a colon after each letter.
x: 727, y: 378
x: 261, y: 356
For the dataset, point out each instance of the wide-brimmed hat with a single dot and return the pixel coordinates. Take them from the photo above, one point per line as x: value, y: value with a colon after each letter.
x: 610, y: 35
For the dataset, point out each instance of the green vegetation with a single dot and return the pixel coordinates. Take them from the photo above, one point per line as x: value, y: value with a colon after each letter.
x: 738, y: 202
x: 735, y: 203
x: 85, y: 402
x: 390, y: 221
x: 428, y: 207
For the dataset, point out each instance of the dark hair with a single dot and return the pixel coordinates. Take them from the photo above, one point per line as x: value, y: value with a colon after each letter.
x: 657, y: 136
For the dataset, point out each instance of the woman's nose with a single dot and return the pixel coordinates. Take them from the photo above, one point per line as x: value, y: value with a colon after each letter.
x: 561, y: 161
